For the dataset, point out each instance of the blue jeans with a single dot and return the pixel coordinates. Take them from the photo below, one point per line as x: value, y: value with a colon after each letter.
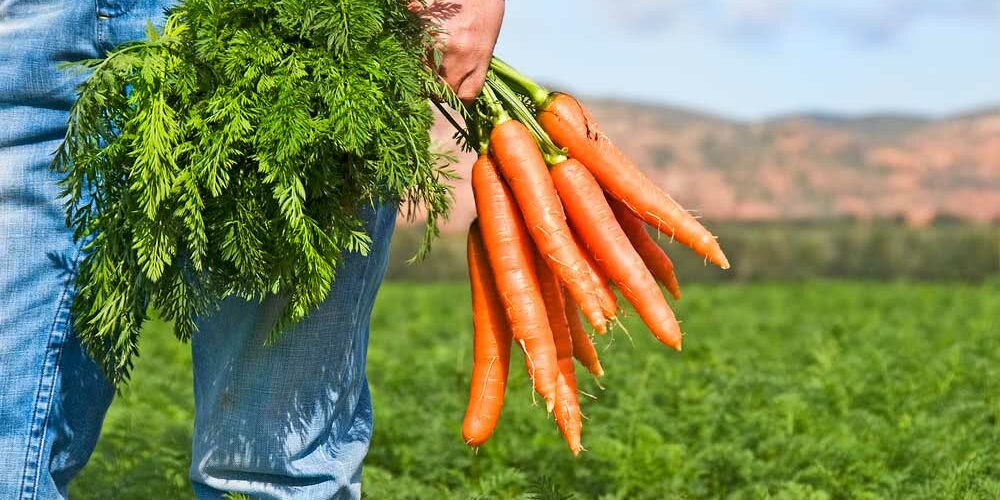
x: 289, y: 420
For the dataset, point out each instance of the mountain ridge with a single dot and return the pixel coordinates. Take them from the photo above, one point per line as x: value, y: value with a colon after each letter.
x: 805, y: 165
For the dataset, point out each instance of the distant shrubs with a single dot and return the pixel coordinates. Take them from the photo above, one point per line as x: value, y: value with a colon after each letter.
x: 785, y: 252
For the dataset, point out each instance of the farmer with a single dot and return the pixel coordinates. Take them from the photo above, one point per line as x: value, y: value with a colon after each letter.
x: 292, y: 420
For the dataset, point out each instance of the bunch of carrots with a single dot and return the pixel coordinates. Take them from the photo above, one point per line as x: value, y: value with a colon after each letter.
x: 562, y: 215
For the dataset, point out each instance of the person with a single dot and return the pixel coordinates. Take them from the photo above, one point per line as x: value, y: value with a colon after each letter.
x: 290, y: 420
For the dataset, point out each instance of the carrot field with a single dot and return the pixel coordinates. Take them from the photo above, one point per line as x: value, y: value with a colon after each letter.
x: 814, y: 390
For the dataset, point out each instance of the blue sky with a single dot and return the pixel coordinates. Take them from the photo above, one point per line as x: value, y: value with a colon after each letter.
x: 752, y: 59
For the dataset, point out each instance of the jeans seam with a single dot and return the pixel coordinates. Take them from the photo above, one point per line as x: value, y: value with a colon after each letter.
x: 100, y: 29
x: 32, y: 468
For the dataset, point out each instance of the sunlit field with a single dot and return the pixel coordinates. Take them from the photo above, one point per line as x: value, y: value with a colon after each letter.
x: 814, y: 390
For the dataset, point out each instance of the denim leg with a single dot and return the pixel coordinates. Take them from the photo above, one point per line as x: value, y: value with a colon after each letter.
x: 53, y: 397
x: 293, y: 419
x: 289, y: 420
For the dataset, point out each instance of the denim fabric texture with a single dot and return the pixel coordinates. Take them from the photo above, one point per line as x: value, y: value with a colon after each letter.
x: 292, y: 420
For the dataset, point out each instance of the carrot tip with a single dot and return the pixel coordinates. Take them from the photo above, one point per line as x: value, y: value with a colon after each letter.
x: 598, y: 370
x: 549, y: 405
x: 722, y: 261
x: 673, y: 342
x: 613, y: 320
x: 599, y: 323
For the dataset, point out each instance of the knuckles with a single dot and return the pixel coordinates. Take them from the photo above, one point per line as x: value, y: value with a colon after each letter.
x: 464, y: 66
x: 469, y: 90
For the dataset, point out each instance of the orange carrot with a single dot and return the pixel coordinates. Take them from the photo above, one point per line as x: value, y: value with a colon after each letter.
x: 490, y: 347
x: 569, y: 124
x: 583, y: 347
x: 651, y: 252
x: 604, y: 237
x: 602, y: 284
x: 511, y: 257
x: 567, y: 410
x: 522, y: 165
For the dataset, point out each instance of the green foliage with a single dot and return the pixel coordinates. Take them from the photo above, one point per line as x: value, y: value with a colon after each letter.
x: 787, y: 391
x: 231, y: 153
x: 145, y: 446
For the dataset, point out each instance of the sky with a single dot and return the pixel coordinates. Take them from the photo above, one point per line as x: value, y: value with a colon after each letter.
x: 753, y: 59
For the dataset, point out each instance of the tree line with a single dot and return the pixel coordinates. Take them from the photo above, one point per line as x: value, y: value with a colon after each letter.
x: 782, y: 251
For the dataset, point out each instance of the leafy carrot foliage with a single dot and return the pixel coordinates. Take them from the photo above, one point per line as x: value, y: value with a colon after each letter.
x: 230, y: 153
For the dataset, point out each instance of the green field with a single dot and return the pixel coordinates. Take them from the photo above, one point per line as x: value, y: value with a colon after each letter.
x: 814, y: 390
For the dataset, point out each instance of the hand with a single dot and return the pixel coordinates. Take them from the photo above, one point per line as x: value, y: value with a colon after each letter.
x: 469, y: 33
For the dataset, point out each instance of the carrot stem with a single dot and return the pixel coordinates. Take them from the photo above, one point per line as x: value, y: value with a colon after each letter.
x: 461, y: 130
x: 495, y: 108
x: 479, y: 131
x: 534, y: 91
x: 520, y: 112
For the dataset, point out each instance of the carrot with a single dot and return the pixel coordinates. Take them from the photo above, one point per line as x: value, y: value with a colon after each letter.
x: 593, y: 218
x: 583, y: 348
x: 652, y: 254
x: 522, y: 165
x: 567, y: 410
x: 602, y: 284
x: 568, y: 124
x: 490, y: 347
x: 511, y: 256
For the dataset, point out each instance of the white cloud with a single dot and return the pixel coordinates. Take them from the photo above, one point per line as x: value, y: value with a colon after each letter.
x: 878, y: 21
x: 647, y: 15
x: 862, y: 20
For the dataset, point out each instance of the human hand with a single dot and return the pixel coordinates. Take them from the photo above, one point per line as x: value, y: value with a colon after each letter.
x: 469, y: 30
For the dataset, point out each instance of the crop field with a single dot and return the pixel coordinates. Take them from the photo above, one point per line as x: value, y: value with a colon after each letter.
x: 815, y: 390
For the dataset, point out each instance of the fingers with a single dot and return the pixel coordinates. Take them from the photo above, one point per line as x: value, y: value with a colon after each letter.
x: 469, y: 89
x: 469, y: 36
x: 465, y: 70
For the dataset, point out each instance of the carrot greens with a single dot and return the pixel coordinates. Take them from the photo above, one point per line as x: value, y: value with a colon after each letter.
x: 232, y: 153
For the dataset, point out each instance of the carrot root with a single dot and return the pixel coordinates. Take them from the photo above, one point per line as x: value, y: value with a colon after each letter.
x: 569, y: 124
x: 612, y: 249
x: 652, y: 254
x: 491, y: 347
x: 511, y: 257
x: 521, y: 164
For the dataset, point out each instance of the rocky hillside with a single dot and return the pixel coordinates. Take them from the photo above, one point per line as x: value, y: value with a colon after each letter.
x: 808, y: 166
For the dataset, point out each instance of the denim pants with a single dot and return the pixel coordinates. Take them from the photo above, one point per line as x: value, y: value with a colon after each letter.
x: 292, y: 420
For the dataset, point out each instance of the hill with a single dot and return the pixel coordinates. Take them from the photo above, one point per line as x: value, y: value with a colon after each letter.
x: 809, y: 166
